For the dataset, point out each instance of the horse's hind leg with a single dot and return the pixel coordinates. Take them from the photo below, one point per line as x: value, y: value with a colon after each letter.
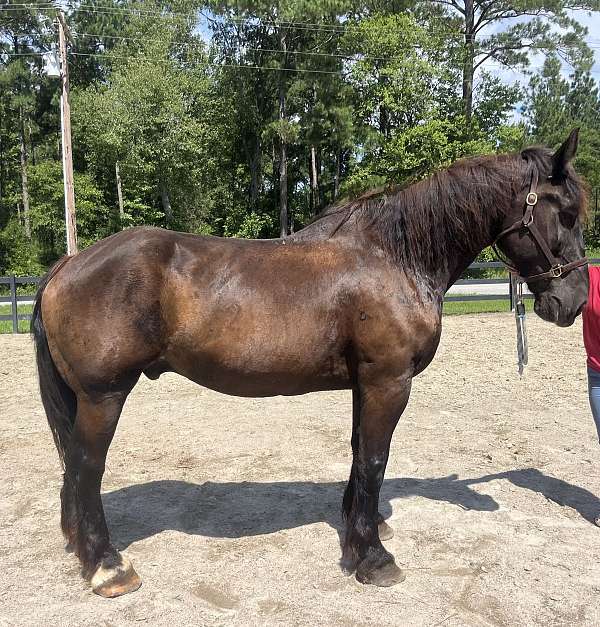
x: 385, y: 531
x: 381, y: 405
x: 110, y: 573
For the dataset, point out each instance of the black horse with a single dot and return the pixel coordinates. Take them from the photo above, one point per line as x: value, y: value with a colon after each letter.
x: 352, y: 301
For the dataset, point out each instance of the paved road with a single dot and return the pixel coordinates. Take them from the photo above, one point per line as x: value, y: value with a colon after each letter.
x: 482, y: 288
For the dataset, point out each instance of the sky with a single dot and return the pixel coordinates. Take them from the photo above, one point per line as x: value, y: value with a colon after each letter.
x: 585, y: 18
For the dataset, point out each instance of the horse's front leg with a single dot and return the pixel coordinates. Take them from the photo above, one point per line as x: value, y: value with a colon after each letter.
x: 381, y: 405
x: 385, y: 531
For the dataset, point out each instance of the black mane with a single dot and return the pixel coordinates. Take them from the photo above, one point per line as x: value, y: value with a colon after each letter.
x: 453, y: 209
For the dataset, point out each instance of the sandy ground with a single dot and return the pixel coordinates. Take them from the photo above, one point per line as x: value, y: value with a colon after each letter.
x: 229, y: 508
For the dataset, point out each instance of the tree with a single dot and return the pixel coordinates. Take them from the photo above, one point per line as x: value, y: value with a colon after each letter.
x: 406, y: 115
x: 21, y: 33
x: 280, y: 30
x: 557, y: 103
x: 156, y: 116
x: 288, y: 107
x: 532, y: 26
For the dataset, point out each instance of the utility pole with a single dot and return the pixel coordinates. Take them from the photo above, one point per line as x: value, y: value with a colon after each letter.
x: 67, y: 153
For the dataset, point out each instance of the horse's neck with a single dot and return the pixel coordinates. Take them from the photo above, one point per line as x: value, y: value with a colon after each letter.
x: 457, y: 257
x: 456, y: 265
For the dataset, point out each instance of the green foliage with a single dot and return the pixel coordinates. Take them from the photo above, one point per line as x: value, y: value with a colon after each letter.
x: 241, y: 224
x: 18, y: 255
x: 557, y: 104
x: 47, y: 209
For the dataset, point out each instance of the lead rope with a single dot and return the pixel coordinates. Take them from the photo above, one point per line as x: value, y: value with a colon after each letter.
x: 522, y: 348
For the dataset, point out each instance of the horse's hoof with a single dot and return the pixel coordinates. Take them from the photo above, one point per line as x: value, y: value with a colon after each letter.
x: 385, y: 531
x: 385, y: 576
x: 116, y: 579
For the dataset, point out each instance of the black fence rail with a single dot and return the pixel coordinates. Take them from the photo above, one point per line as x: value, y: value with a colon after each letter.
x: 507, y: 294
x: 14, y: 299
x: 509, y: 281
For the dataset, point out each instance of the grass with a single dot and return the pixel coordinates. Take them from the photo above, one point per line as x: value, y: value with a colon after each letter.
x: 6, y: 325
x: 480, y: 306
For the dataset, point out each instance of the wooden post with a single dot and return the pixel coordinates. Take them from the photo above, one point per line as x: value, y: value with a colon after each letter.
x: 24, y: 179
x: 120, y: 193
x: 283, y: 173
x: 67, y: 153
x: 314, y: 181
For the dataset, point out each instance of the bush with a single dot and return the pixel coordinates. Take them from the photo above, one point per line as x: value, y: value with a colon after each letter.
x: 94, y: 219
x: 18, y: 255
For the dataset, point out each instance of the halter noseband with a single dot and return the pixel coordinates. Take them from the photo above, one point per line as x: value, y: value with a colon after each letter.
x: 557, y: 269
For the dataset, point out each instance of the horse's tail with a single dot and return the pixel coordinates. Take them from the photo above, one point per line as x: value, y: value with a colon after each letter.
x: 58, y: 398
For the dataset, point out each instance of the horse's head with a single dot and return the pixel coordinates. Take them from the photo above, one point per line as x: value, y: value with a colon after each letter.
x: 542, y: 232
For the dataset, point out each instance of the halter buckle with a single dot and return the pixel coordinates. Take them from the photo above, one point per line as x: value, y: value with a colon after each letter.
x: 532, y: 198
x: 556, y: 270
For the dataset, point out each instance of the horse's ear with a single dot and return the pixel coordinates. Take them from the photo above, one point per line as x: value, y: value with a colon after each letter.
x: 564, y: 154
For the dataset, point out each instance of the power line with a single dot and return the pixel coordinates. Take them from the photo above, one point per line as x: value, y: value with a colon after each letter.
x: 160, y: 14
x: 21, y: 54
x: 332, y: 29
x: 133, y: 10
x: 310, y: 26
x: 25, y: 7
x: 257, y: 49
x: 169, y: 60
x: 298, y: 25
x: 355, y: 56
x: 146, y: 58
x: 158, y: 60
x: 292, y: 52
x: 216, y: 65
x: 349, y: 55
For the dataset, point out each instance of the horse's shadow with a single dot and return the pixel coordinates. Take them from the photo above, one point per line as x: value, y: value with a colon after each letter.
x: 235, y: 510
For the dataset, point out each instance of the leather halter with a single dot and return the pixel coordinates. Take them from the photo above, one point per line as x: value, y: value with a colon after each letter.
x: 557, y: 269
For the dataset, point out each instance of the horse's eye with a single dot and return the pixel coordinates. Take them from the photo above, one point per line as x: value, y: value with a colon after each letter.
x: 567, y: 219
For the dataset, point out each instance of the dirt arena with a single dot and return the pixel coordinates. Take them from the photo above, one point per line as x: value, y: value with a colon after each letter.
x: 229, y: 508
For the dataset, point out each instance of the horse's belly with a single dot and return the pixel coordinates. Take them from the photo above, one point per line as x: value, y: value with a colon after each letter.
x: 259, y: 342
x: 262, y: 373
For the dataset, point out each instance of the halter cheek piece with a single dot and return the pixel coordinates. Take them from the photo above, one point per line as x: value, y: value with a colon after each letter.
x: 557, y: 269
